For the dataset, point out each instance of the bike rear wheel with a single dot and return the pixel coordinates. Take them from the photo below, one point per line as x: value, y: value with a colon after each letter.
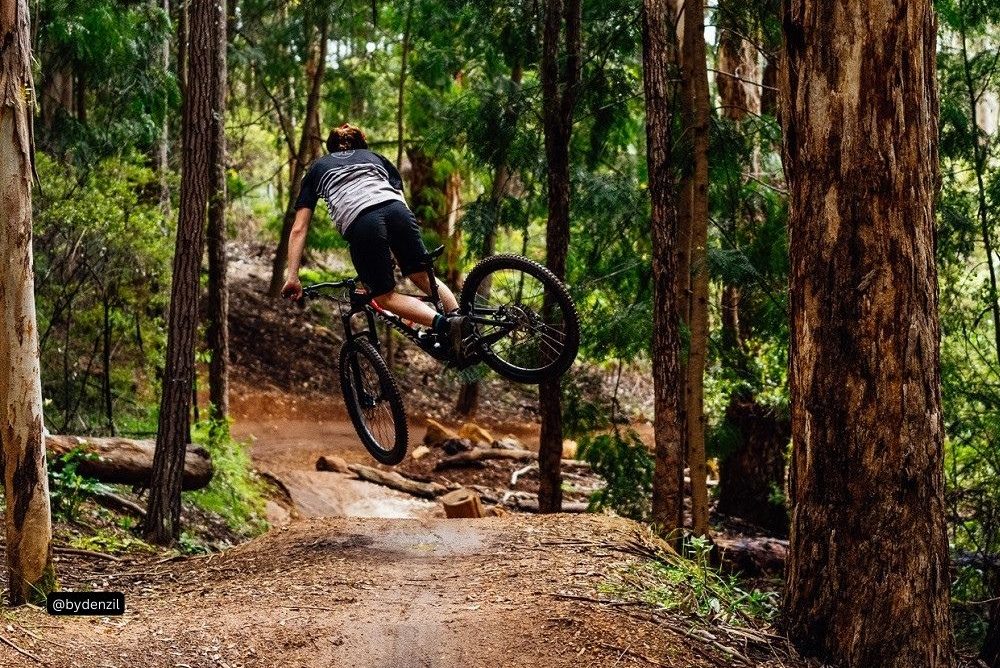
x: 373, y: 401
x: 534, y: 308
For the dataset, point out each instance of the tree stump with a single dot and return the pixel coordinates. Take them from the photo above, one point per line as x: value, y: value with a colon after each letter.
x: 462, y: 503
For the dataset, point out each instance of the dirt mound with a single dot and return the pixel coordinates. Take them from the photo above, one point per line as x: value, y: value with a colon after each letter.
x: 517, y: 591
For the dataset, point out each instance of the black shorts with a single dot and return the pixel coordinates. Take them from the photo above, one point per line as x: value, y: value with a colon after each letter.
x: 377, y: 234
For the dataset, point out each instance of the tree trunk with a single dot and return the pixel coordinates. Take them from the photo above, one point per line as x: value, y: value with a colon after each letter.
x: 106, y: 360
x: 80, y: 92
x: 990, y: 651
x: 218, y: 287
x: 309, y: 142
x: 404, y: 59
x: 867, y: 579
x: 753, y: 474
x: 559, y: 92
x: 681, y: 154
x: 57, y: 96
x: 769, y: 89
x: 696, y: 83
x: 182, y: 45
x: 658, y: 57
x: 453, y: 225
x: 27, y: 520
x: 163, y: 145
x: 174, y: 428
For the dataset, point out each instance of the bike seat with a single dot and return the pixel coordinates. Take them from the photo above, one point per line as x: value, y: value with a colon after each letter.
x: 436, y: 253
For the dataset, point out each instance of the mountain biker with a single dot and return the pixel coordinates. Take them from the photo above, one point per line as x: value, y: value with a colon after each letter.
x: 364, y: 195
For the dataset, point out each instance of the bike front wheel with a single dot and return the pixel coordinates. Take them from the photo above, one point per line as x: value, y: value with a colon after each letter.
x: 373, y: 401
x: 524, y: 318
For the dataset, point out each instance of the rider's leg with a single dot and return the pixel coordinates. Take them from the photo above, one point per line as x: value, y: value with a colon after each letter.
x: 407, y: 307
x: 422, y: 281
x: 408, y: 247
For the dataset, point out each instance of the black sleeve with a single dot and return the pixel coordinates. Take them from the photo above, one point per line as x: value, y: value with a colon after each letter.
x: 395, y: 180
x: 309, y: 195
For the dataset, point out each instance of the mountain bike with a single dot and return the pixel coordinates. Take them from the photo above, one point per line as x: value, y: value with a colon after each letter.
x: 524, y: 326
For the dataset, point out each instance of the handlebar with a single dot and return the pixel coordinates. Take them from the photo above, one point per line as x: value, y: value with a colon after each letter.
x: 310, y: 290
x: 314, y: 290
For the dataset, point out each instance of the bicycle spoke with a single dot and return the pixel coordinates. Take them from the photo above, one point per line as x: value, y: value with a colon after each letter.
x: 375, y: 409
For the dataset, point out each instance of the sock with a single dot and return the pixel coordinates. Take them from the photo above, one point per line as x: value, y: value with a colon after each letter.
x: 440, y: 324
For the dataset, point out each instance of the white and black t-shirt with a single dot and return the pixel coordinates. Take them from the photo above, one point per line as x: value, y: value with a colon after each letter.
x: 350, y: 182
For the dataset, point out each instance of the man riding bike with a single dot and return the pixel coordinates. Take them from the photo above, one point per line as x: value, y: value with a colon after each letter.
x: 364, y: 195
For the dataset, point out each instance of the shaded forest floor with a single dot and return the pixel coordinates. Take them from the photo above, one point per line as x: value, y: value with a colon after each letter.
x: 514, y: 591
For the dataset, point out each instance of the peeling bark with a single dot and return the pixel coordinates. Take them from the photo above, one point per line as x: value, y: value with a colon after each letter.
x: 28, y: 524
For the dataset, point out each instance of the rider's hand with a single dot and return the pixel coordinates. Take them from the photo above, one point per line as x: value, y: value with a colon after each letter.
x: 292, y: 289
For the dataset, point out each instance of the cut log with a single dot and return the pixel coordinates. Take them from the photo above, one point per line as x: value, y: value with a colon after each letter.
x: 477, y: 455
x: 393, y: 480
x: 462, y: 503
x: 127, y: 461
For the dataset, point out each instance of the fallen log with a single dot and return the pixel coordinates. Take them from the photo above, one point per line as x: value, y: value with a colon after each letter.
x: 752, y: 556
x: 477, y: 455
x: 127, y: 461
x: 529, y: 504
x: 393, y: 480
x: 462, y: 503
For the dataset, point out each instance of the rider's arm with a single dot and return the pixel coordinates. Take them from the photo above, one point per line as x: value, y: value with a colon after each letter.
x: 297, y: 240
x: 308, y: 196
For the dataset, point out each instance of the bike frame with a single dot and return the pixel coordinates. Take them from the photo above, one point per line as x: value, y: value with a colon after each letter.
x: 362, y: 302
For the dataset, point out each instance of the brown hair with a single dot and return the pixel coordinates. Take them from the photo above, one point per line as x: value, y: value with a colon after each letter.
x: 347, y: 137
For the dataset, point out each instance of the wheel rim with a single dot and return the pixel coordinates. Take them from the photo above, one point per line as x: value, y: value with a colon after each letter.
x: 536, y: 322
x: 374, y: 408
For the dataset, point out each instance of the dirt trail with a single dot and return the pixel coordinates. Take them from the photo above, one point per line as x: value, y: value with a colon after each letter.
x: 286, y: 448
x: 366, y: 593
x: 288, y: 434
